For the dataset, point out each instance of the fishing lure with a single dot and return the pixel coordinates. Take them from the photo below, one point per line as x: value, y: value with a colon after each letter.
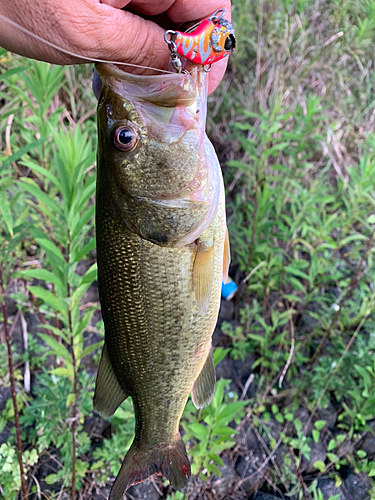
x: 204, y: 43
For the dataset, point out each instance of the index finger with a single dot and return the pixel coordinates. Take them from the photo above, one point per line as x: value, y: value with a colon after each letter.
x: 182, y: 12
x: 179, y: 11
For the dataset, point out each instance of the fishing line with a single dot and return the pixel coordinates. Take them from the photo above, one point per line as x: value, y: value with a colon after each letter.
x: 70, y: 53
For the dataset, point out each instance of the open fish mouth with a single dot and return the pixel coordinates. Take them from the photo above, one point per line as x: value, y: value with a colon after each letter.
x: 169, y: 90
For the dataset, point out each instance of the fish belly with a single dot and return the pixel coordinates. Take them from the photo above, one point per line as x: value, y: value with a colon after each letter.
x: 157, y: 341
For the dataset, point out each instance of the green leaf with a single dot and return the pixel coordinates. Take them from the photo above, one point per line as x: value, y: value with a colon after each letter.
x: 361, y: 453
x: 230, y: 410
x: 42, y: 274
x: 338, y: 481
x: 320, y: 466
x: 216, y: 459
x: 57, y: 331
x: 51, y: 479
x: 199, y: 431
x: 296, y: 272
x: 332, y: 457
x: 319, y: 424
x: 213, y: 469
x: 219, y: 447
x: 89, y: 276
x: 79, y: 328
x: 353, y: 237
x: 87, y: 193
x: 225, y: 432
x: 219, y: 394
x: 219, y: 355
x: 17, y: 155
x: 51, y: 249
x: 12, y: 71
x: 41, y: 170
x: 30, y: 185
x: 49, y: 299
x: 340, y: 438
x: 70, y: 399
x: 63, y: 372
x: 279, y: 418
x: 82, y: 221
x: 296, y: 283
x: 84, y: 251
x: 6, y: 213
x: 57, y: 349
x: 90, y: 348
x: 331, y: 445
x: 315, y: 435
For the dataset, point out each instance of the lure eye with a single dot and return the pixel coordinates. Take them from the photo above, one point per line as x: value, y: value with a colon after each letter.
x: 125, y: 138
x: 230, y: 43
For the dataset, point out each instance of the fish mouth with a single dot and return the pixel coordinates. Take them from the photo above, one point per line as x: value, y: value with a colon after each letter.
x: 167, y: 90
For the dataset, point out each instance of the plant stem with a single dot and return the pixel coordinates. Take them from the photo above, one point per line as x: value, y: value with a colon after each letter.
x: 13, y: 388
x: 75, y: 385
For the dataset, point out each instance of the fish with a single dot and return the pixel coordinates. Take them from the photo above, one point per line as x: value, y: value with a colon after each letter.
x: 162, y: 254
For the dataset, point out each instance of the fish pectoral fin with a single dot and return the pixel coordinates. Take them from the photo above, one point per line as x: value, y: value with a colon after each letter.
x: 204, y: 387
x: 108, y: 393
x: 226, y: 257
x: 166, y: 459
x: 203, y: 273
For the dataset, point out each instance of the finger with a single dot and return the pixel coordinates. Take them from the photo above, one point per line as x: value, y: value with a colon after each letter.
x: 132, y: 39
x: 183, y: 12
x: 150, y: 7
x: 117, y: 4
x: 216, y: 74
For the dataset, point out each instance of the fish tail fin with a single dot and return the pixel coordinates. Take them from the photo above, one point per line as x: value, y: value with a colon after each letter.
x: 168, y: 460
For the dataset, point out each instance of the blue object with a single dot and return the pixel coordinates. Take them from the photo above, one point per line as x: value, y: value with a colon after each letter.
x: 229, y: 289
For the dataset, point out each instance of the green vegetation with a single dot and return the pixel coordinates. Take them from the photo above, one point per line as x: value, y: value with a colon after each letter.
x: 293, y: 124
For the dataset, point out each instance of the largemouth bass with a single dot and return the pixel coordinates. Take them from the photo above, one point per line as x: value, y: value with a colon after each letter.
x: 162, y: 252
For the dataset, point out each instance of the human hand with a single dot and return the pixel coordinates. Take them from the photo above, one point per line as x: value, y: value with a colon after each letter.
x: 95, y: 29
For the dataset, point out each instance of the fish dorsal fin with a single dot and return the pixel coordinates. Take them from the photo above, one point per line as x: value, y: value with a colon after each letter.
x: 204, y: 387
x: 108, y: 392
x: 203, y: 272
x: 226, y: 257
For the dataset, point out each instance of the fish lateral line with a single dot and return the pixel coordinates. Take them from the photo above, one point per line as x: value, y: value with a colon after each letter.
x: 74, y: 54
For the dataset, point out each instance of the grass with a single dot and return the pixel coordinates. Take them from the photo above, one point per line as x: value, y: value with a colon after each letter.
x: 293, y: 125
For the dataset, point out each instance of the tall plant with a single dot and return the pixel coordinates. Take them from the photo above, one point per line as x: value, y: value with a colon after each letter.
x: 62, y: 210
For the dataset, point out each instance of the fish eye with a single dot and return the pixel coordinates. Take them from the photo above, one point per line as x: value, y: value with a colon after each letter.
x: 230, y: 43
x: 125, y: 138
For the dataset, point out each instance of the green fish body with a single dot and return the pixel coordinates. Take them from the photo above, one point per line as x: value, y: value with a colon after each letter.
x: 161, y: 251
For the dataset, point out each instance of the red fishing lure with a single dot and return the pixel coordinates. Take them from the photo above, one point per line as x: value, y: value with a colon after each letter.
x: 205, y: 43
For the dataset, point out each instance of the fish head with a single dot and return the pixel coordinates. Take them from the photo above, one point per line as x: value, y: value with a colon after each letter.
x: 152, y: 141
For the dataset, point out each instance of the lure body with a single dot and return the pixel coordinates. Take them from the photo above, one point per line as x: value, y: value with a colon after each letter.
x: 205, y: 43
x: 208, y: 42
